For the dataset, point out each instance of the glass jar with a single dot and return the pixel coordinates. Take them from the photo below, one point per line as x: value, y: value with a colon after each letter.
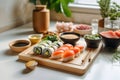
x: 111, y: 24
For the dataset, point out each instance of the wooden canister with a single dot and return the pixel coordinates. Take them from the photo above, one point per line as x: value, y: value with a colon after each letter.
x: 41, y: 19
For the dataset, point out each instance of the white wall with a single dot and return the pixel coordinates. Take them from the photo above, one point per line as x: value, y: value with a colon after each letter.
x: 14, y: 12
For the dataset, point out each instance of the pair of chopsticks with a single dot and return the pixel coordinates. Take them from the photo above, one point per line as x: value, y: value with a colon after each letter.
x: 87, y: 57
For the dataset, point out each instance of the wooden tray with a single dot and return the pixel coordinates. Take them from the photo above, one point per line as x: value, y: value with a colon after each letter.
x: 79, y: 65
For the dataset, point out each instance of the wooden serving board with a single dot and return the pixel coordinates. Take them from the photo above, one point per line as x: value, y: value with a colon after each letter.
x: 79, y: 65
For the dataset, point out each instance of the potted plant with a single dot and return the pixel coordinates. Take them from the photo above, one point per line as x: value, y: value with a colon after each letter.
x: 60, y: 6
x: 112, y: 21
x: 109, y: 10
x: 104, y: 10
x: 114, y: 11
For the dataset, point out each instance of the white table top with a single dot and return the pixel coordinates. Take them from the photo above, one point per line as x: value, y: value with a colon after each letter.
x: 12, y: 69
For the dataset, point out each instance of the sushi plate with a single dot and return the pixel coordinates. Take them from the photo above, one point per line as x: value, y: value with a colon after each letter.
x: 78, y: 65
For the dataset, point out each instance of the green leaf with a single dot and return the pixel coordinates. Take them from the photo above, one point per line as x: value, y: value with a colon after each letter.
x: 58, y: 8
x: 65, y: 8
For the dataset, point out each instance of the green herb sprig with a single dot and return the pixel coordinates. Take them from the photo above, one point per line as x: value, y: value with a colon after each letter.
x: 51, y: 38
x: 116, y: 55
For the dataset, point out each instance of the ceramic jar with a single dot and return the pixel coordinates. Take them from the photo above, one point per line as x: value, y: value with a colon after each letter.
x: 41, y: 19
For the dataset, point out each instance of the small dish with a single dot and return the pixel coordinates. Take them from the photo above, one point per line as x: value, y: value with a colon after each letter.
x: 92, y: 40
x: 83, y: 29
x: 35, y: 38
x: 19, y: 45
x: 70, y: 37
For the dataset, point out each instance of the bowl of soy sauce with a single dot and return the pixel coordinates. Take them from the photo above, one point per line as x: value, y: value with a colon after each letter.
x: 19, y: 45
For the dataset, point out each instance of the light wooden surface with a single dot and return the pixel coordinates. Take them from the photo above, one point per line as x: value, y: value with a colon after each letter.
x: 79, y: 65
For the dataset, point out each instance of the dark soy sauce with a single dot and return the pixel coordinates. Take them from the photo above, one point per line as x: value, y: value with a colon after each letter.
x: 20, y: 44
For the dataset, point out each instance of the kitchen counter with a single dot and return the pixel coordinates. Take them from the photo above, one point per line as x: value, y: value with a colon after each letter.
x: 13, y: 69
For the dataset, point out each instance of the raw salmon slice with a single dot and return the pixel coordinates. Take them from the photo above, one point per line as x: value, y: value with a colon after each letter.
x: 70, y: 46
x: 118, y: 33
x: 57, y: 54
x: 76, y: 51
x: 109, y: 34
x: 80, y: 47
x: 68, y: 53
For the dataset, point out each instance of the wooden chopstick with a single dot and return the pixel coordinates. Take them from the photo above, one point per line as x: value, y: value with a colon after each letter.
x: 84, y: 59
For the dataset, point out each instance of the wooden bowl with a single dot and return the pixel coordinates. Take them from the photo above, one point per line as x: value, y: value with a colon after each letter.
x: 19, y: 45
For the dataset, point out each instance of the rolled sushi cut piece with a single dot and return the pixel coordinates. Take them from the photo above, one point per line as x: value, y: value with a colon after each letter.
x: 44, y: 44
x: 57, y: 54
x: 58, y: 43
x: 47, y: 52
x: 68, y: 55
x: 54, y: 47
x: 48, y: 42
x: 38, y: 49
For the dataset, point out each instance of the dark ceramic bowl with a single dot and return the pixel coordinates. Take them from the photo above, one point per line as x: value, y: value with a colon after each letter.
x: 111, y: 42
x: 69, y: 37
x: 92, y: 43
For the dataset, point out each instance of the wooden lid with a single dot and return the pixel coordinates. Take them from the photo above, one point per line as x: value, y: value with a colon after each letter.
x: 40, y: 7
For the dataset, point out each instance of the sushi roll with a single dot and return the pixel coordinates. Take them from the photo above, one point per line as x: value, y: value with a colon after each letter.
x: 38, y: 49
x: 68, y: 55
x: 44, y: 44
x: 57, y: 54
x: 47, y: 52
x: 48, y: 42
x: 58, y: 43
x: 54, y: 47
x: 76, y: 51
